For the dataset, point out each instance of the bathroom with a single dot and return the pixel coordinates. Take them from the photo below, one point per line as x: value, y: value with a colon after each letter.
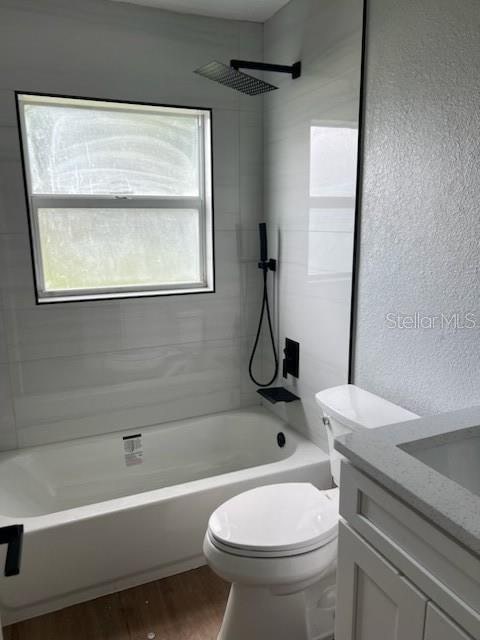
x: 147, y: 488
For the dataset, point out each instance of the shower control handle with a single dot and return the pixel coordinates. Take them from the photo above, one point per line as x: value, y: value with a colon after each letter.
x: 12, y: 536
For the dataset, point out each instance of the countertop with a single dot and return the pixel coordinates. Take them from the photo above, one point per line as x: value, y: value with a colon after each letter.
x: 447, y: 504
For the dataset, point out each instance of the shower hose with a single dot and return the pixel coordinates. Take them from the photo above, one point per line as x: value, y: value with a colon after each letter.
x: 265, y: 307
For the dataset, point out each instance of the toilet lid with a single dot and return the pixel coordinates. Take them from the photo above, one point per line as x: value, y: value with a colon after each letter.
x: 279, y: 519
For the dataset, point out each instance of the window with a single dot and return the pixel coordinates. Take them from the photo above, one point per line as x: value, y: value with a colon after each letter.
x: 120, y: 198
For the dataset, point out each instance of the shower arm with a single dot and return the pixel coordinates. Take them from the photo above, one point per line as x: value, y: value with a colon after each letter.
x: 294, y: 69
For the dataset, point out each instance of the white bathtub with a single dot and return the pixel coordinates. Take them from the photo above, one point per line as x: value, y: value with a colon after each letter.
x: 99, y: 519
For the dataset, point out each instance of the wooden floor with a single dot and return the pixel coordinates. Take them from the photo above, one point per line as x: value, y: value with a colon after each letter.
x: 188, y: 606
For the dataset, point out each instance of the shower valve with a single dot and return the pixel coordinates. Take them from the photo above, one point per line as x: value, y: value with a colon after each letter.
x: 291, y: 359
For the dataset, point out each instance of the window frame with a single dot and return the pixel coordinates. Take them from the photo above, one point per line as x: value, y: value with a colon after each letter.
x: 203, y: 203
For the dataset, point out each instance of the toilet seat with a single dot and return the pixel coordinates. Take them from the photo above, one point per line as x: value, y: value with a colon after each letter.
x: 275, y: 521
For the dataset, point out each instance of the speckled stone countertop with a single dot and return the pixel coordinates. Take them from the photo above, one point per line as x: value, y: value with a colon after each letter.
x: 385, y: 454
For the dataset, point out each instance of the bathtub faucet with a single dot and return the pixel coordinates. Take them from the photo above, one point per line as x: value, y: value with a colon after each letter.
x: 13, y: 537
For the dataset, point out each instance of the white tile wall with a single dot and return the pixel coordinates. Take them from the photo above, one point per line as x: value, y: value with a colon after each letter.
x: 311, y: 238
x: 135, y: 387
x: 8, y: 435
x: 76, y: 369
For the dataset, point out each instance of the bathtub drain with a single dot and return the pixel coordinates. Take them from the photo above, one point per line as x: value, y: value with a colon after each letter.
x: 281, y: 440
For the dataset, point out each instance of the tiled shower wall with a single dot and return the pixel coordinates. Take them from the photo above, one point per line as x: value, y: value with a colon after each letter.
x: 69, y: 370
x: 310, y: 195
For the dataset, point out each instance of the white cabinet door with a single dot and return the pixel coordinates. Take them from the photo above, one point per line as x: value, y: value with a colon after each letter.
x: 374, y: 601
x: 438, y: 626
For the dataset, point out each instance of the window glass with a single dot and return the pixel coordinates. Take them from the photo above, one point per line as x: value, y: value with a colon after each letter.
x: 105, y: 248
x: 77, y: 150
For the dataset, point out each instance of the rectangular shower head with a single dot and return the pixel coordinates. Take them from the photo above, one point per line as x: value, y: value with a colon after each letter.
x: 234, y: 79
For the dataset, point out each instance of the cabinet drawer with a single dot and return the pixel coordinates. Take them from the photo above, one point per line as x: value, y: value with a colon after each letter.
x: 441, y: 568
x: 439, y: 627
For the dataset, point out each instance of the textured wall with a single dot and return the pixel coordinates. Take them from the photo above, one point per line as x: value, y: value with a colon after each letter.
x: 310, y: 177
x: 420, y: 235
x: 68, y: 370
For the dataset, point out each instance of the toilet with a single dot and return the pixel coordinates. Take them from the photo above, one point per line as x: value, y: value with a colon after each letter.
x: 277, y: 544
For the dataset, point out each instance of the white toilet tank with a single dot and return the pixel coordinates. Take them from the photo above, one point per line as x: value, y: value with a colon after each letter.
x: 348, y: 408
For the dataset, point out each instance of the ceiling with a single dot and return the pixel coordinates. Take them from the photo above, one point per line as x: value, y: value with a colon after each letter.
x: 253, y: 10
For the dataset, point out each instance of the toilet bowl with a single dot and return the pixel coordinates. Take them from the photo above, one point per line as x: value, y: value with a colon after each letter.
x: 277, y: 544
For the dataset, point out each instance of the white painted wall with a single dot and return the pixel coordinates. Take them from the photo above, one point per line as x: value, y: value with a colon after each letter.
x: 420, y: 228
x: 84, y: 368
x: 309, y: 209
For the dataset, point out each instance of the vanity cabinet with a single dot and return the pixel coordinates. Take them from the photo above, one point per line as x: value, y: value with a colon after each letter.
x: 439, y: 627
x: 377, y: 602
x: 399, y: 577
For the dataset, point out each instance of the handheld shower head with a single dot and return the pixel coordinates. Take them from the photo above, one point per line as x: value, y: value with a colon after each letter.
x: 262, y: 230
x: 230, y: 76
